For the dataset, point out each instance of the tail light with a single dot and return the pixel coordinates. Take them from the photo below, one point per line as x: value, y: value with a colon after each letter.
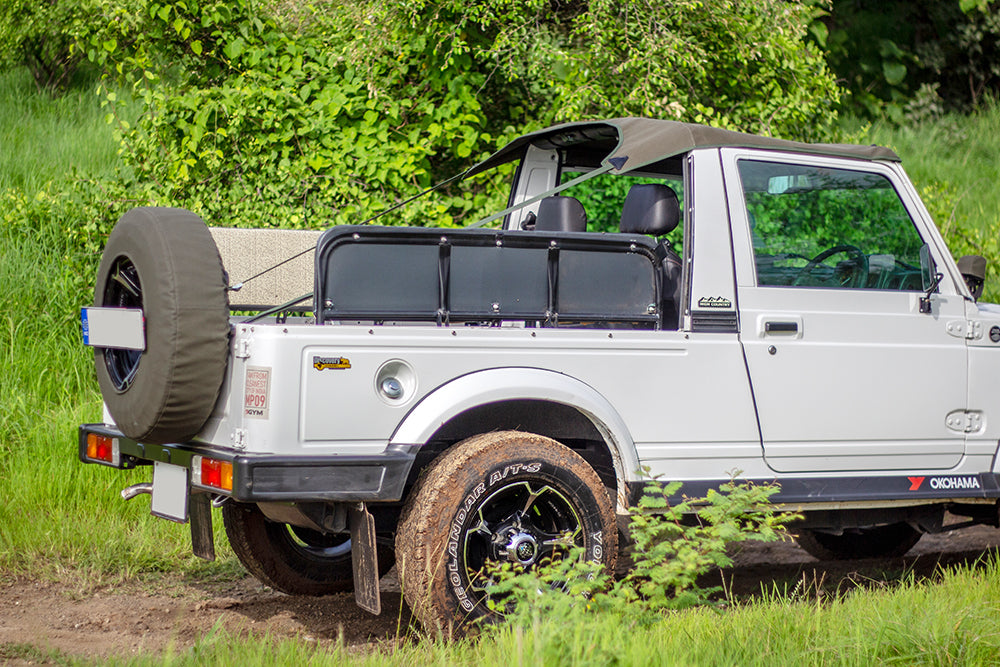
x: 103, y: 449
x: 212, y: 473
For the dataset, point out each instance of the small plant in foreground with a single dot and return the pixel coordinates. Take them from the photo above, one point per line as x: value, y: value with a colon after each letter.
x: 673, y: 545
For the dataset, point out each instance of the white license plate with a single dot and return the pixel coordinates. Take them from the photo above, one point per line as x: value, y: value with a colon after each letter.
x: 120, y: 328
x: 170, y: 492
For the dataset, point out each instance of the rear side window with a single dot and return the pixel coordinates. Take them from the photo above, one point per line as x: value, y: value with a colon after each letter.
x: 829, y: 228
x: 603, y: 197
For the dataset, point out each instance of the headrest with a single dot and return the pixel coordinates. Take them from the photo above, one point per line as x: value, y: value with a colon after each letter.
x: 972, y: 265
x: 650, y: 208
x: 560, y: 214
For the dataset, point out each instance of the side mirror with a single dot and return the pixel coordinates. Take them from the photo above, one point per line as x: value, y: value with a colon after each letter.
x: 927, y: 267
x: 930, y: 278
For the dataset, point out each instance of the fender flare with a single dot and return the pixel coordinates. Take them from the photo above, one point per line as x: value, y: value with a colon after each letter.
x: 502, y: 384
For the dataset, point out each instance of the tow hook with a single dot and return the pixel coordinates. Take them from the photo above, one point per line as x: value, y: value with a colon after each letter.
x: 137, y: 490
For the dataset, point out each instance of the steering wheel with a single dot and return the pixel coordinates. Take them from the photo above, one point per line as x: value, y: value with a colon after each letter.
x: 858, y: 278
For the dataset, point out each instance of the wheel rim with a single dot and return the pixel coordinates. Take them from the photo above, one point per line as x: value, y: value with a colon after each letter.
x: 522, y: 523
x: 123, y: 290
x: 316, y: 544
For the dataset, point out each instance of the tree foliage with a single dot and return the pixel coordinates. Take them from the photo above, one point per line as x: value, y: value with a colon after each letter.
x: 51, y: 37
x: 42, y: 36
x: 731, y: 64
x: 298, y: 114
x: 912, y: 59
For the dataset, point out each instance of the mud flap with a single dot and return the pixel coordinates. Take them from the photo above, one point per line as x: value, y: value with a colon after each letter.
x: 364, y: 559
x: 200, y: 516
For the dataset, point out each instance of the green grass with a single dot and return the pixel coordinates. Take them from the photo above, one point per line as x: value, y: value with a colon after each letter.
x: 960, y: 151
x: 43, y: 138
x: 55, y: 512
x: 953, y: 621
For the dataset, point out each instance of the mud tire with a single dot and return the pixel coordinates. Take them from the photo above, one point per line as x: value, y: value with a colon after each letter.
x: 486, y: 478
x: 164, y: 261
x: 293, y: 560
x: 888, y: 541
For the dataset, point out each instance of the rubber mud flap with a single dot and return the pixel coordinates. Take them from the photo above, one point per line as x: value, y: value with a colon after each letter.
x: 164, y: 261
x: 292, y: 559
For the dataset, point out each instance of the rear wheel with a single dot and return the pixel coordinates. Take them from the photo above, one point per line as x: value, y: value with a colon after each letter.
x: 291, y: 559
x: 498, y: 497
x: 876, y: 542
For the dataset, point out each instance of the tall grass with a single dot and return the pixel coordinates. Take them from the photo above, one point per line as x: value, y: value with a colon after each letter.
x: 54, y: 511
x: 950, y: 622
x: 44, y: 138
x: 959, y: 152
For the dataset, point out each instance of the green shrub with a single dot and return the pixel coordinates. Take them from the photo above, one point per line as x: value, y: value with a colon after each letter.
x: 673, y: 546
x: 309, y: 115
x: 51, y: 38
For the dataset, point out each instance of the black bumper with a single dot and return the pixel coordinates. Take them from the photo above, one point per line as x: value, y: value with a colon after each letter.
x: 268, y: 477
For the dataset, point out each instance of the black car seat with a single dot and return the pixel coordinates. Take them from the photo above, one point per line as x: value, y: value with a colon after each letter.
x: 560, y: 214
x: 652, y: 208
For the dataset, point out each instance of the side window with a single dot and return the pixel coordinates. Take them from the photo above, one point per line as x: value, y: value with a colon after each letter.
x: 830, y: 228
x: 604, y: 196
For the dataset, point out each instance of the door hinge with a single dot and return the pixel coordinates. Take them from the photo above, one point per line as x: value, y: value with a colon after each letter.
x: 965, y: 329
x: 965, y: 421
x: 242, y: 350
x: 239, y: 438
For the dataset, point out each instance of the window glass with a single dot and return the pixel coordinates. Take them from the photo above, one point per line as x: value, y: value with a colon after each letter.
x: 603, y: 198
x: 832, y: 228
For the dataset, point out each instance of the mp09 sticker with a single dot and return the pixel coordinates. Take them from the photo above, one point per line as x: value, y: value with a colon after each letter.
x: 257, y: 392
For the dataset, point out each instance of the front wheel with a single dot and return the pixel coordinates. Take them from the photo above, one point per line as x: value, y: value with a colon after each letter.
x: 497, y: 497
x: 291, y: 559
x: 876, y: 542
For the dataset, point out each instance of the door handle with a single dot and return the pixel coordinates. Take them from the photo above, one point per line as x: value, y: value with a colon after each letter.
x: 781, y: 327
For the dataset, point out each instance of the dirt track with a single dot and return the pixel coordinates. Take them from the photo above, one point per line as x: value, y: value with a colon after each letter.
x: 154, y: 614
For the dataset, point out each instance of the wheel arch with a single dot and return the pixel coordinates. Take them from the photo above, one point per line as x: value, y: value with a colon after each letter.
x: 534, y: 400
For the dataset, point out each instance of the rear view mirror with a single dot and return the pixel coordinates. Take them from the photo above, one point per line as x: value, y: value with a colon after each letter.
x: 779, y: 185
x: 930, y: 278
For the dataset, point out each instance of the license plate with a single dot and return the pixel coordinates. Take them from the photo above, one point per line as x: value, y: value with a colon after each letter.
x: 119, y: 328
x: 170, y: 492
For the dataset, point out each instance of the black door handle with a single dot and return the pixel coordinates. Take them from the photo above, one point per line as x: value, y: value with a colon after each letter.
x: 781, y: 327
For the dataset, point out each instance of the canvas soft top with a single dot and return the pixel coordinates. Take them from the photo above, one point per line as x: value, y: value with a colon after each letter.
x: 628, y: 143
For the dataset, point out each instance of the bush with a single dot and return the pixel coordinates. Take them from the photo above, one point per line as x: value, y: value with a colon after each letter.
x: 308, y: 115
x: 670, y: 554
x: 51, y: 38
x: 256, y: 123
x: 891, y: 54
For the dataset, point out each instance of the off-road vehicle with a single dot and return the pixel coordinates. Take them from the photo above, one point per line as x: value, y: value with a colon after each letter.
x: 656, y: 295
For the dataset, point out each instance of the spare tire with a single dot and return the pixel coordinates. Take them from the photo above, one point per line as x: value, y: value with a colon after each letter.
x: 164, y: 261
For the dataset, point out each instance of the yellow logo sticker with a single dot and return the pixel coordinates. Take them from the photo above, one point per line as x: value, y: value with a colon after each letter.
x: 336, y: 363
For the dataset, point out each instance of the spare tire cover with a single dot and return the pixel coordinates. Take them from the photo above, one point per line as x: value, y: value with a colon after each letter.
x: 164, y: 261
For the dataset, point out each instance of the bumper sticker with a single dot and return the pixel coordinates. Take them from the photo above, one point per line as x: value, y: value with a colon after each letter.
x: 257, y: 392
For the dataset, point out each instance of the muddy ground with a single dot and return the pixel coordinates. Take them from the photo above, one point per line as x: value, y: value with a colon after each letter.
x: 152, y: 614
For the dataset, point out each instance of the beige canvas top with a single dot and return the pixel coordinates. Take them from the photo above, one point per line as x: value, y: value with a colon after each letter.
x: 636, y: 142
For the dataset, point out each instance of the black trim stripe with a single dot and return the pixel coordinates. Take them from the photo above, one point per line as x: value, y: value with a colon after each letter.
x: 795, y: 490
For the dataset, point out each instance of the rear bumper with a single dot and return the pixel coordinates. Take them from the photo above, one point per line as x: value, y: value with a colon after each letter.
x: 271, y: 478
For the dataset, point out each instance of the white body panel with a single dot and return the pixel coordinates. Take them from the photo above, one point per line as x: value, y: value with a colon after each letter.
x: 626, y: 382
x: 864, y: 384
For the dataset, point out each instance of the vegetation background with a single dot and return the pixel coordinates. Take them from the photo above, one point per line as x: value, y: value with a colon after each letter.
x: 303, y: 113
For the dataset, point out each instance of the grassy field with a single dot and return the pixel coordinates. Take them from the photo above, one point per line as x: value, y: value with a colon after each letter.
x: 951, y: 622
x: 58, y: 515
x: 75, y: 518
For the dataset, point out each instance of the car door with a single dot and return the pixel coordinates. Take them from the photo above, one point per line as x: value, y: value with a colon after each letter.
x: 847, y: 372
